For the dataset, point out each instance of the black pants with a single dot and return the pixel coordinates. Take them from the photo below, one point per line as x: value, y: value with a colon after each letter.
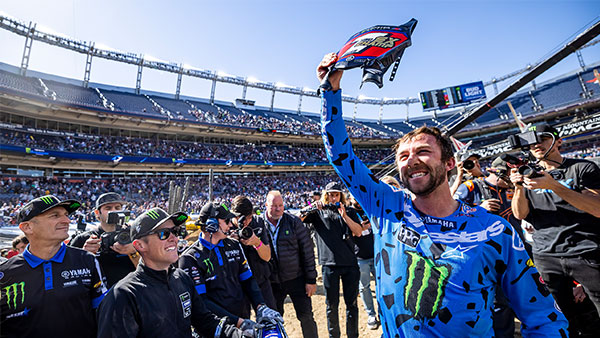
x: 558, y: 274
x: 296, y: 288
x: 350, y: 276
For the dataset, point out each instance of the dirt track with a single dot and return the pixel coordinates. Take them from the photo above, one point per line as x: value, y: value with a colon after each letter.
x: 292, y: 325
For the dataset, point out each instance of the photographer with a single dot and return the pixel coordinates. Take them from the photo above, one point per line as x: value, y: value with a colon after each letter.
x: 334, y: 226
x: 562, y: 202
x: 256, y: 245
x: 116, y: 260
x: 468, y: 168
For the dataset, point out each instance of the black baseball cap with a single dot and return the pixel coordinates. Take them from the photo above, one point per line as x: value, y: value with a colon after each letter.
x: 214, y: 210
x: 42, y: 204
x: 152, y: 219
x: 109, y: 197
x: 333, y: 187
x: 544, y: 128
x: 465, y: 156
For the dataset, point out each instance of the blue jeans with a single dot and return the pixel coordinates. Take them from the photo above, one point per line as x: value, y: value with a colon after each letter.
x: 367, y: 268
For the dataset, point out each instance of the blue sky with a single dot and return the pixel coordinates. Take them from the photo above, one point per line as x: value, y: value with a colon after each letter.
x: 282, y: 41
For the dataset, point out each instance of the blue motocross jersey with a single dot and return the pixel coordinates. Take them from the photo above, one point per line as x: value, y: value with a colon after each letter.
x: 438, y: 276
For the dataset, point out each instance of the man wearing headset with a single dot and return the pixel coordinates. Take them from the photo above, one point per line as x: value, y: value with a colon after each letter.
x: 220, y: 270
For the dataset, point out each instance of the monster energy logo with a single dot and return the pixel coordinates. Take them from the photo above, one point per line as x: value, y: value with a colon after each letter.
x: 181, y: 217
x: 425, y: 286
x: 12, y: 293
x: 47, y: 199
x: 209, y: 265
x: 153, y: 214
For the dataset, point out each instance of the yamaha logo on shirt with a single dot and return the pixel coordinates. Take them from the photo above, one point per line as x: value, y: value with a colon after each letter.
x: 76, y: 273
x: 232, y: 253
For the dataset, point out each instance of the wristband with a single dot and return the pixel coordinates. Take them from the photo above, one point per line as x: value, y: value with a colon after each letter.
x: 134, y: 255
x: 258, y: 246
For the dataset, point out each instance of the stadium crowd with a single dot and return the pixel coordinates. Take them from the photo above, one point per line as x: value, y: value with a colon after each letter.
x: 146, y: 193
x: 130, y: 146
x: 245, y: 119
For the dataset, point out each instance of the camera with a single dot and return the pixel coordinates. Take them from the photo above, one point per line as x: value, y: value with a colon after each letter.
x: 245, y: 232
x: 524, y: 140
x: 311, y: 209
x: 526, y: 168
x: 119, y: 218
x: 468, y: 164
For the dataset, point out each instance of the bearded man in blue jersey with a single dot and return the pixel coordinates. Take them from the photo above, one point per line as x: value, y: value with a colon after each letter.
x: 438, y: 261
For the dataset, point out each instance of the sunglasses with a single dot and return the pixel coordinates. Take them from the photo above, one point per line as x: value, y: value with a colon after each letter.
x: 163, y: 234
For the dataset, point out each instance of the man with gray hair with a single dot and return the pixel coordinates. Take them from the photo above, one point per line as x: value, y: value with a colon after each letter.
x: 293, y: 260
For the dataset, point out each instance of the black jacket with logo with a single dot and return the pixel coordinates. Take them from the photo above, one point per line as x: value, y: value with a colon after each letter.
x: 150, y: 303
x: 295, y: 255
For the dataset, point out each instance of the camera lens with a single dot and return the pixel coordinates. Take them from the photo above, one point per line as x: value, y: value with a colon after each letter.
x: 246, y: 233
x: 526, y: 170
x: 468, y: 164
x: 123, y: 237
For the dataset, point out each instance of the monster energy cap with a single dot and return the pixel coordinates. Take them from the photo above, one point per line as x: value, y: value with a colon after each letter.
x: 152, y: 219
x: 42, y: 204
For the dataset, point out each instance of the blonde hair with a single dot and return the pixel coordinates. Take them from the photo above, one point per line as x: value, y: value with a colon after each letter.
x: 391, y: 180
x: 325, y: 198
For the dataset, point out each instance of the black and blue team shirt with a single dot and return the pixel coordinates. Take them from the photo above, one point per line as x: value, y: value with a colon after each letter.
x: 53, y: 298
x: 438, y: 276
x: 217, y: 271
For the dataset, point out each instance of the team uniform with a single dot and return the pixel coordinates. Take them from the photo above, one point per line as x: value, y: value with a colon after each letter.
x: 114, y: 265
x: 150, y: 303
x: 438, y: 276
x: 222, y: 274
x: 53, y: 298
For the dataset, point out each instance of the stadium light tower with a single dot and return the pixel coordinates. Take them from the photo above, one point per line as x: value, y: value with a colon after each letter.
x: 27, y: 49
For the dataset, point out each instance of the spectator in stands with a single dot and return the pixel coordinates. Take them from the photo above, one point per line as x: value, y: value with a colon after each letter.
x: 293, y: 261
x: 118, y: 260
x: 334, y: 228
x: 562, y: 203
x: 257, y: 248
x: 19, y: 244
x: 51, y: 290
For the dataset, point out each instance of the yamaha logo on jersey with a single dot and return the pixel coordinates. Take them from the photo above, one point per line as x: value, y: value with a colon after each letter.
x: 232, y: 253
x: 76, y: 273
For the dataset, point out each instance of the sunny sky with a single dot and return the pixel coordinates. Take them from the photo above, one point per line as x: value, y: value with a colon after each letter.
x: 282, y: 41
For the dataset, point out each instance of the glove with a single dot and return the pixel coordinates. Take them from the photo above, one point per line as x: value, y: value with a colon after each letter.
x: 264, y: 312
x: 247, y: 328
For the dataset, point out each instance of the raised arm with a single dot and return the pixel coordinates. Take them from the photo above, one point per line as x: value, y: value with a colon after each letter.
x: 361, y: 182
